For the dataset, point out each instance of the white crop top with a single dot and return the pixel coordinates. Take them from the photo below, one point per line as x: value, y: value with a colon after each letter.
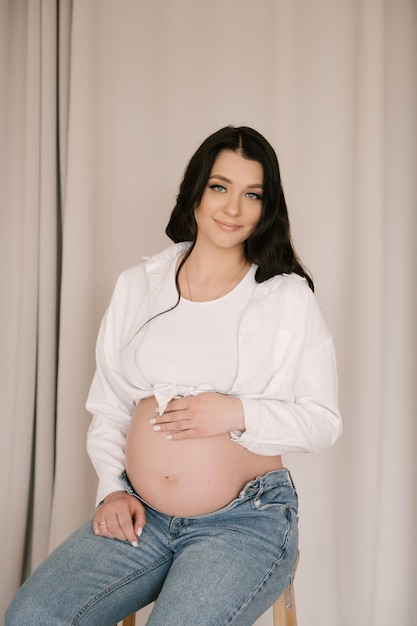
x: 194, y: 345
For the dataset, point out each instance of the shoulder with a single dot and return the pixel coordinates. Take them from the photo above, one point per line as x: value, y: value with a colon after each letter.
x: 285, y: 286
x: 151, y: 269
x: 289, y: 300
x: 296, y: 284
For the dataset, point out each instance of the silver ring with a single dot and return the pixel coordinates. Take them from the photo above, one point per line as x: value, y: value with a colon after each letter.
x: 105, y: 522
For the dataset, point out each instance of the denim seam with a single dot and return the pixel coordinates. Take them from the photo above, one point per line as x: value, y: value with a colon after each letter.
x: 275, y: 564
x: 113, y: 587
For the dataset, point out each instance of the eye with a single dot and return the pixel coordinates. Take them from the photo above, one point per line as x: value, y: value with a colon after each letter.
x: 253, y: 196
x: 218, y: 188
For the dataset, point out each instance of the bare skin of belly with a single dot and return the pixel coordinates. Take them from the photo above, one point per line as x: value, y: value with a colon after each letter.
x: 189, y: 477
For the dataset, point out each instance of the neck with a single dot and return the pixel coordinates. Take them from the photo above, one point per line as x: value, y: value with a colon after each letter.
x: 207, y: 277
x: 215, y: 260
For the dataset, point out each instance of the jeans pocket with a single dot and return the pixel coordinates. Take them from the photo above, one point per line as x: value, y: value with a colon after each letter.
x: 283, y: 497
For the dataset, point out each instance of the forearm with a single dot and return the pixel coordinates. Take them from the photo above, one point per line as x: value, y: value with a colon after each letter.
x: 275, y: 427
x: 106, y: 448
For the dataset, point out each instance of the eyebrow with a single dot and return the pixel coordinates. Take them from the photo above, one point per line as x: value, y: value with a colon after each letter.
x: 227, y: 180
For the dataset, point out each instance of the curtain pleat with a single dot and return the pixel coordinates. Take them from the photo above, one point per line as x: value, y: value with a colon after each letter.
x: 30, y: 299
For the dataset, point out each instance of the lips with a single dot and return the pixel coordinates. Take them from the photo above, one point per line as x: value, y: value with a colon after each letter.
x: 227, y: 225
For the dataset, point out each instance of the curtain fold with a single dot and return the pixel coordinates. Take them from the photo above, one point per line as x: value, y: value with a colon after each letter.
x: 29, y: 277
x: 102, y: 103
x: 74, y: 485
x: 398, y: 434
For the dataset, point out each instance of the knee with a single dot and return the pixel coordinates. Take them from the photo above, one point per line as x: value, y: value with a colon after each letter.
x: 24, y: 609
x: 15, y: 614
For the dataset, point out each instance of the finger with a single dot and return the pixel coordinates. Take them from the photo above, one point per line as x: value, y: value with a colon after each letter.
x: 107, y: 524
x: 101, y: 528
x: 114, y: 517
x: 173, y: 426
x: 172, y: 417
x: 139, y: 520
x: 131, y: 523
x: 177, y: 435
x: 177, y: 404
x: 99, y: 521
x: 119, y: 525
x: 128, y: 531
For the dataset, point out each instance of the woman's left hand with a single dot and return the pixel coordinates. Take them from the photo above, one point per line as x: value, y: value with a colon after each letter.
x: 204, y: 415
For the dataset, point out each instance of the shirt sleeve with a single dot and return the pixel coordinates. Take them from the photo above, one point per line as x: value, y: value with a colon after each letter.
x: 310, y: 422
x: 111, y: 400
x: 296, y: 409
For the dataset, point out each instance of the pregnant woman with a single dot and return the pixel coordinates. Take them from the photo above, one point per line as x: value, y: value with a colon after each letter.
x: 213, y: 360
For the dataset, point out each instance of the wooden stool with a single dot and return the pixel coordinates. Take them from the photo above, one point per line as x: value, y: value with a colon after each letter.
x: 283, y: 610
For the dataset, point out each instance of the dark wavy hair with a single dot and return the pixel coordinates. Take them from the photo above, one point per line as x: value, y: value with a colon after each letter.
x: 270, y: 245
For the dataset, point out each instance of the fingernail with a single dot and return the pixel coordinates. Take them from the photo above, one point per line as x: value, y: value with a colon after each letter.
x: 152, y: 420
x: 140, y: 530
x: 135, y: 544
x: 169, y: 437
x: 156, y: 427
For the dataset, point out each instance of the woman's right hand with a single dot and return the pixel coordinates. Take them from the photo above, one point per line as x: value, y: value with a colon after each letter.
x: 120, y: 516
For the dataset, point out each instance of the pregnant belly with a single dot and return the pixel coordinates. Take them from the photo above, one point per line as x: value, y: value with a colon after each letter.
x: 190, y: 477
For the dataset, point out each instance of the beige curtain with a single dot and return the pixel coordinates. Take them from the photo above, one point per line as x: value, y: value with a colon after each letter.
x: 29, y: 253
x: 333, y: 85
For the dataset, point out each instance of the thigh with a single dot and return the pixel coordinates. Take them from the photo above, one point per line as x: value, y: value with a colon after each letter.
x: 229, y: 571
x: 91, y: 580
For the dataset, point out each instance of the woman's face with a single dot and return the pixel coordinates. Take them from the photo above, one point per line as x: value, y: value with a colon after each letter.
x: 231, y: 205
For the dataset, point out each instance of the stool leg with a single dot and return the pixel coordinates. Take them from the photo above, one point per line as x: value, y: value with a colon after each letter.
x: 284, y: 609
x: 291, y: 612
x: 130, y: 620
x: 279, y: 613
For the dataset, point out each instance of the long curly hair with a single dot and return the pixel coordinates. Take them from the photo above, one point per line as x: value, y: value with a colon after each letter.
x: 269, y: 246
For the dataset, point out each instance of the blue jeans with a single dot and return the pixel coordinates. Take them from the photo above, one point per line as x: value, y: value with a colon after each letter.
x: 226, y: 567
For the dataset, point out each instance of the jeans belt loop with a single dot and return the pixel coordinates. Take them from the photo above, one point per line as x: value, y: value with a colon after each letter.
x: 290, y: 479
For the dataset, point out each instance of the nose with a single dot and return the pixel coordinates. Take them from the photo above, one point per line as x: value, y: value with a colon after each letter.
x: 232, y: 206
